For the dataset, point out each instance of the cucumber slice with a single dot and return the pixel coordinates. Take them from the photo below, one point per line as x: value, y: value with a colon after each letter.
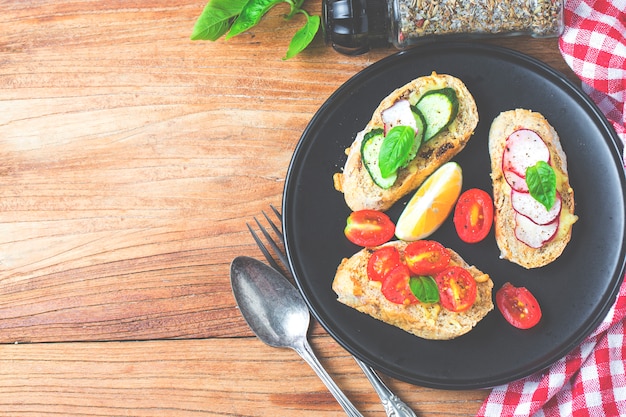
x: 370, y: 148
x: 439, y: 108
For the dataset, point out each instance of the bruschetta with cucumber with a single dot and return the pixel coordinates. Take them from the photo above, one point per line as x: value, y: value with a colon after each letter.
x: 533, y: 198
x: 415, y: 129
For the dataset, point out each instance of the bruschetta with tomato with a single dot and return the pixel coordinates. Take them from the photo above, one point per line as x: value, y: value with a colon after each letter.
x: 421, y: 287
x: 414, y: 130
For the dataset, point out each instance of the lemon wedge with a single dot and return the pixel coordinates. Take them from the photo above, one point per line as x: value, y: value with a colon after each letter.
x: 431, y: 204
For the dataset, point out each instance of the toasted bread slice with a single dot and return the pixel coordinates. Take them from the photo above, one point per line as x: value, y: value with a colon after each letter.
x: 428, y: 321
x: 504, y: 216
x: 359, y: 189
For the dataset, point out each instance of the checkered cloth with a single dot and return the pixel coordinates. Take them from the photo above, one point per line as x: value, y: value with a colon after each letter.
x: 590, y: 380
x: 594, y: 46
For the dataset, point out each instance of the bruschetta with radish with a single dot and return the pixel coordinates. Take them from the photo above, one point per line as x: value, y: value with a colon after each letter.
x: 533, y: 199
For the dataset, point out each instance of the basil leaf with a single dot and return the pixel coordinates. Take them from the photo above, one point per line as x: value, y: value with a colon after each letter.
x: 395, y: 149
x: 216, y: 18
x: 424, y: 288
x: 251, y: 15
x: 232, y: 17
x: 541, y: 181
x: 303, y: 37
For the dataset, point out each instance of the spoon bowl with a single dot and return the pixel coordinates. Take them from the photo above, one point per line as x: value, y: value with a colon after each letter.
x: 272, y: 307
x: 278, y: 315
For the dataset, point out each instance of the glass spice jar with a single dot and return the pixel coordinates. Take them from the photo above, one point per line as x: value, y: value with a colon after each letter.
x: 355, y: 26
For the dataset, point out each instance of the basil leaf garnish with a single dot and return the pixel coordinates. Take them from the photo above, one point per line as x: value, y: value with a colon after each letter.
x: 216, y: 19
x: 395, y: 149
x: 303, y: 36
x: 251, y: 15
x: 233, y: 17
x: 424, y: 288
x: 541, y: 181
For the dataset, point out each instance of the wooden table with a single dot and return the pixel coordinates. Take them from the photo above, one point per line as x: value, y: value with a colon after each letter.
x: 131, y: 159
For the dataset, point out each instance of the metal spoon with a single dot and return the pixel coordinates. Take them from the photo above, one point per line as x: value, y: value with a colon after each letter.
x: 260, y: 293
x: 277, y: 314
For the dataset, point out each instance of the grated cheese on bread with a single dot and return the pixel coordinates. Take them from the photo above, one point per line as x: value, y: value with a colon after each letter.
x: 428, y: 321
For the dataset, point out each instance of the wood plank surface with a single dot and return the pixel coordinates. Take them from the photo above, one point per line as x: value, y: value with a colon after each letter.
x: 187, y: 378
x: 131, y: 159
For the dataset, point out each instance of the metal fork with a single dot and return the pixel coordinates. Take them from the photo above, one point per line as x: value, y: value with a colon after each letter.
x: 394, y: 406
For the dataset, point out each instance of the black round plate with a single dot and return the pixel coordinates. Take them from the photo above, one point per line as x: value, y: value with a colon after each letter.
x: 575, y: 291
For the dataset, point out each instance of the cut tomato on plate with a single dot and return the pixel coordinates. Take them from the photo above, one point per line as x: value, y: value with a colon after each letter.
x: 369, y: 228
x: 518, y: 306
x: 473, y: 215
x: 381, y: 262
x: 426, y: 257
x: 396, y: 286
x: 457, y: 288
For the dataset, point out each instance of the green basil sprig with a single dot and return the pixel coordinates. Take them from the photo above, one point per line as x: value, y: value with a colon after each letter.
x: 424, y: 288
x: 395, y: 149
x: 541, y: 181
x: 233, y: 17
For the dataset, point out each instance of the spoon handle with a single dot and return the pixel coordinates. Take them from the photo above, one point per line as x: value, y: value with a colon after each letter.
x: 306, y: 352
x: 394, y: 406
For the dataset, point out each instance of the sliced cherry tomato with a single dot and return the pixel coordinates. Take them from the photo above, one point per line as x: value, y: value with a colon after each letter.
x: 381, y: 262
x: 396, y: 286
x: 473, y: 215
x: 369, y: 228
x: 426, y: 257
x: 518, y: 306
x: 457, y: 288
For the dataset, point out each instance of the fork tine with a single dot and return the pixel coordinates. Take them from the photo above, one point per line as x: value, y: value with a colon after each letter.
x: 271, y: 241
x: 278, y: 232
x: 261, y: 246
x: 280, y: 219
x: 276, y: 212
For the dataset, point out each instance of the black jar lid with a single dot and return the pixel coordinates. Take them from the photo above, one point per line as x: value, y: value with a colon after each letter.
x: 353, y: 27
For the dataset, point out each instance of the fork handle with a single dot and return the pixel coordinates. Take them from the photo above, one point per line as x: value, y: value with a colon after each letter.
x: 306, y: 352
x: 394, y: 406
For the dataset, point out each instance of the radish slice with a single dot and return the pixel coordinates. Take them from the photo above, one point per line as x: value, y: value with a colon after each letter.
x: 533, y: 234
x: 399, y: 114
x: 524, y: 148
x: 525, y: 204
x: 515, y: 181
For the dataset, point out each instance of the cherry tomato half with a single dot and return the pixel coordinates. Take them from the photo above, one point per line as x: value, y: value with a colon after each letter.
x: 396, y: 286
x: 381, y: 262
x: 518, y: 306
x: 426, y: 257
x: 369, y: 228
x: 473, y: 215
x: 457, y: 288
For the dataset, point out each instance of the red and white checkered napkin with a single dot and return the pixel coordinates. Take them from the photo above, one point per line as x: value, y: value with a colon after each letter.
x: 594, y: 46
x: 590, y: 380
